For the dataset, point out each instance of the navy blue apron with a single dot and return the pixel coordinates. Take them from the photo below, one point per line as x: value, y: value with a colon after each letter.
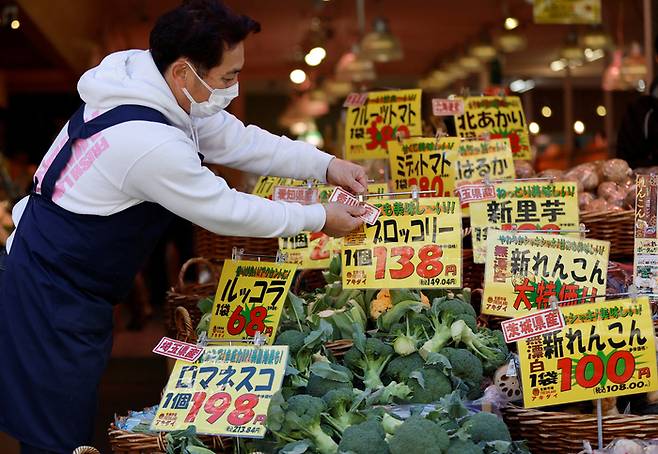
x: 62, y: 276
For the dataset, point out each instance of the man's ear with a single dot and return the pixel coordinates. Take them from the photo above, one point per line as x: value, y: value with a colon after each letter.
x: 179, y: 71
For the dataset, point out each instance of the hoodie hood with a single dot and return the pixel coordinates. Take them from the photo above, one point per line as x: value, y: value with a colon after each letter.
x: 131, y: 77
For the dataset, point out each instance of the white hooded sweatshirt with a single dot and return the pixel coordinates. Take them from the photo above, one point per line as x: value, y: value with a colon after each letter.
x: 138, y: 161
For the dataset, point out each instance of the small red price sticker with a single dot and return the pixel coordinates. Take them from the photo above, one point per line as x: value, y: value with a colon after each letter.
x: 541, y: 322
x: 355, y: 100
x: 295, y: 194
x: 447, y: 107
x: 468, y: 193
x: 178, y: 350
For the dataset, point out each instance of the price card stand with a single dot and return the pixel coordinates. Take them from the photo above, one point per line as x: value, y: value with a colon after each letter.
x: 239, y: 253
x: 633, y: 294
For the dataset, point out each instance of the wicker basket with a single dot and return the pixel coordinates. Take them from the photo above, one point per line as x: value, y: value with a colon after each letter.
x: 308, y: 281
x: 618, y: 227
x: 124, y: 442
x: 558, y: 432
x: 473, y: 273
x: 188, y: 295
x: 212, y: 246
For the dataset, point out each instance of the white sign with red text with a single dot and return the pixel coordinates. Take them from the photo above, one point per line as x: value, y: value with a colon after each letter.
x: 447, y: 107
x: 178, y: 350
x: 532, y: 325
x: 295, y: 194
x: 342, y: 196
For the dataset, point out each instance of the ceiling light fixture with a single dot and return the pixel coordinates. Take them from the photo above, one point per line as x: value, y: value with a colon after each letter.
x: 381, y: 45
x: 297, y: 76
x: 579, y: 127
x: 533, y: 128
x: 546, y: 112
x: 511, y: 23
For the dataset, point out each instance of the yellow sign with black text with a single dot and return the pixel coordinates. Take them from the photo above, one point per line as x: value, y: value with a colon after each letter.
x: 529, y: 205
x: 496, y: 117
x: 225, y: 392
x: 413, y: 244
x: 426, y: 163
x: 524, y: 271
x: 385, y: 116
x: 606, y: 349
x: 249, y: 299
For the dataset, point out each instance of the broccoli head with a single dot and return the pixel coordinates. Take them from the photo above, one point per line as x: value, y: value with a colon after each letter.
x: 325, y: 377
x: 428, y: 385
x: 365, y: 438
x: 292, y: 338
x: 458, y: 446
x: 467, y: 367
x: 443, y: 314
x: 418, y: 435
x: 494, y: 339
x: 401, y: 367
x: 370, y: 361
x: 299, y: 418
x: 484, y: 346
x: 339, y: 402
x: 486, y: 427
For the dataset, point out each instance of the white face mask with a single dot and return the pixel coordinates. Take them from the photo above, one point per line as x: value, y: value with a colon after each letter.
x: 218, y: 100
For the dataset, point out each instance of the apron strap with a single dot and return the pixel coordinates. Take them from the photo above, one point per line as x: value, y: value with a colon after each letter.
x: 78, y: 129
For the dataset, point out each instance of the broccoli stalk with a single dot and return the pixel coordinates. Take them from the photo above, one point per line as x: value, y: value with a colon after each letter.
x: 462, y: 333
x: 300, y: 418
x: 341, y: 415
x: 370, y: 359
x: 406, y: 343
x: 441, y: 337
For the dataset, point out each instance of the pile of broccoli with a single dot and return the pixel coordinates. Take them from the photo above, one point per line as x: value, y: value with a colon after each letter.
x: 341, y: 424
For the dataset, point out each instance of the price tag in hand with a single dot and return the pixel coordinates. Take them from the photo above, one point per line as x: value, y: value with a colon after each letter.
x: 342, y: 196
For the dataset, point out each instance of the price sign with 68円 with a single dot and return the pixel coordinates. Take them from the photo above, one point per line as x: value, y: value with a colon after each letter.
x: 249, y: 299
x: 413, y: 244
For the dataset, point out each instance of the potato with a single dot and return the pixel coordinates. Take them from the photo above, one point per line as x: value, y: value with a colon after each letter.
x: 616, y: 170
x: 607, y: 189
x: 585, y: 175
x: 554, y: 173
x: 584, y: 199
x: 597, y: 205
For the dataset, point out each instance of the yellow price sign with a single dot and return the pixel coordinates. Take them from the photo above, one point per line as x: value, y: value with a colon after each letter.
x: 310, y: 251
x: 265, y: 185
x: 370, y: 128
x: 424, y: 162
x: 413, y: 244
x: 524, y: 271
x: 606, y: 349
x: 567, y: 11
x: 225, y: 392
x: 498, y: 117
x: 525, y: 206
x: 249, y: 299
x: 477, y: 159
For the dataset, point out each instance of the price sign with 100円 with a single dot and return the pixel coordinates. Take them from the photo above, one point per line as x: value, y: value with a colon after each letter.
x: 413, y: 244
x: 225, y: 392
x: 249, y: 299
x: 606, y: 349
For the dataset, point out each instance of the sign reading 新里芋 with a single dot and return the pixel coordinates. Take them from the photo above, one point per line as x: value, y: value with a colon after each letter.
x: 249, y: 299
x: 226, y: 392
x: 384, y: 117
x: 524, y: 271
x: 525, y: 206
x: 567, y: 11
x: 496, y: 117
x: 606, y: 349
x: 645, y: 258
x: 413, y: 244
x: 426, y: 163
x: 531, y: 325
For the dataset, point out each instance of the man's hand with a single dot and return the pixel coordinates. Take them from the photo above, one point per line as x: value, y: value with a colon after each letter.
x: 342, y: 219
x: 347, y: 175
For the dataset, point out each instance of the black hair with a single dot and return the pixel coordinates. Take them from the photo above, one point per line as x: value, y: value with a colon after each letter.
x: 199, y: 30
